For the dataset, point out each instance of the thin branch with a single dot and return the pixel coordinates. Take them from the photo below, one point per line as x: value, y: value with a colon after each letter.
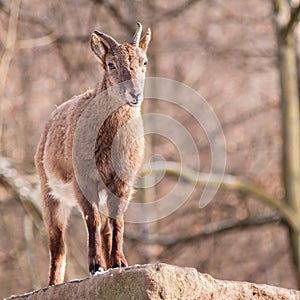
x: 241, y: 18
x: 37, y: 42
x: 30, y: 253
x: 27, y: 17
x: 282, y: 15
x: 23, y: 191
x: 165, y: 16
x: 243, y: 117
x: 12, y: 24
x: 115, y: 11
x: 292, y: 23
x: 225, y: 182
x: 276, y: 5
x: 208, y: 230
x: 3, y: 33
x: 286, y: 18
x: 175, y: 12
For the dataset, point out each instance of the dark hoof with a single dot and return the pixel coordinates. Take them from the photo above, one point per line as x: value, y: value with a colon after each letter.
x: 119, y: 265
x: 96, y: 269
x: 100, y: 271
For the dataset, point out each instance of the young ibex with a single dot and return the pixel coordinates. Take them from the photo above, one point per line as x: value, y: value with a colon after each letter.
x: 55, y: 160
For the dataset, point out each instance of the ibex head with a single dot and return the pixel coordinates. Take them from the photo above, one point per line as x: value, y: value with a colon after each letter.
x: 123, y: 63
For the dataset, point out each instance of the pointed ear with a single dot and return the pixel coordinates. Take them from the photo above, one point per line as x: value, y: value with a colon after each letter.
x: 101, y: 43
x: 98, y: 47
x: 145, y: 40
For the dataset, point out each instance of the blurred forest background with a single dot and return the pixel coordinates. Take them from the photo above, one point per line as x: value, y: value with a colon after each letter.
x: 241, y: 56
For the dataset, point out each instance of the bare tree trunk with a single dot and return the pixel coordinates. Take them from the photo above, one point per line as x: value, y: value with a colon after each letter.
x: 291, y: 130
x: 8, y: 39
x: 287, y: 18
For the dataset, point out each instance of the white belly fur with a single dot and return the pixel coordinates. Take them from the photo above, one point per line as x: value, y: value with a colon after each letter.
x: 64, y: 193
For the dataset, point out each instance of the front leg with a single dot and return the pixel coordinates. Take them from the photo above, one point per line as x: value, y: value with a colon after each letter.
x: 92, y: 220
x: 117, y: 205
x: 95, y: 258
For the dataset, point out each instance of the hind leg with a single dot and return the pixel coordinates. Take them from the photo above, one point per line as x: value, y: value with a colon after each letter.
x: 106, y: 238
x: 56, y: 217
x: 117, y: 258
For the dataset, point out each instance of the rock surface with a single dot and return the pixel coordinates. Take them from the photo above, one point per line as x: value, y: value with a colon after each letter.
x: 159, y: 281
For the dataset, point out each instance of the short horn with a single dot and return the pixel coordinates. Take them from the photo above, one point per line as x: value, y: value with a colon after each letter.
x: 137, y: 36
x: 106, y: 39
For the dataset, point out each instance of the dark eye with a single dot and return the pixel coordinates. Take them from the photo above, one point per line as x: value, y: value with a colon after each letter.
x: 111, y: 66
x: 145, y: 63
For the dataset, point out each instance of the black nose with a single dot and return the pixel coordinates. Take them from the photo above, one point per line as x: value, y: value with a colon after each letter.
x: 135, y: 96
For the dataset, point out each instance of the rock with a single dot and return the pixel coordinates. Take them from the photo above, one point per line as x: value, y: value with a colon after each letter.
x: 158, y: 281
